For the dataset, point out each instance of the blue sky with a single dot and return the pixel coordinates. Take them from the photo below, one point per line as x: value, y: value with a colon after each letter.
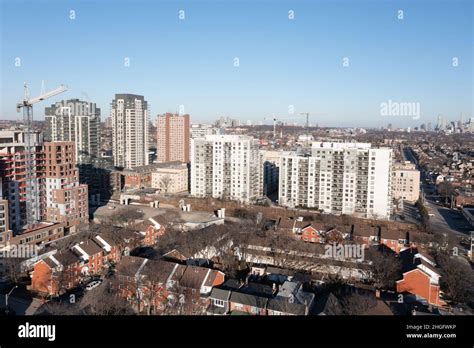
x: 282, y: 62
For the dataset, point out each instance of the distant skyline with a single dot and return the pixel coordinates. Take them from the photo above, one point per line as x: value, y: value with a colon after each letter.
x: 284, y: 63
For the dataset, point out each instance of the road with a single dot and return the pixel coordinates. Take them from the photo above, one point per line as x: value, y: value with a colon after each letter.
x: 443, y: 219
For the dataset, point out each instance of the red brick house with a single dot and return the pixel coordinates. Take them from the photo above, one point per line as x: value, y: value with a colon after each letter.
x: 312, y: 235
x: 150, y: 230
x: 55, y: 273
x: 67, y: 268
x: 151, y: 283
x: 143, y: 282
x: 420, y: 277
x: 193, y: 284
x: 111, y: 249
x: 335, y: 235
x: 394, y: 239
x: 91, y: 257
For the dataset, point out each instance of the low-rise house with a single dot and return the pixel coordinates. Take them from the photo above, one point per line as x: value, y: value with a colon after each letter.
x: 91, y: 257
x: 420, y: 277
x: 152, y: 284
x: 111, y: 249
x: 335, y: 235
x: 392, y: 238
x: 144, y: 283
x: 66, y: 269
x: 56, y: 273
x: 219, y: 302
x: 241, y: 302
x: 312, y: 235
x: 291, y: 300
x: 194, y: 284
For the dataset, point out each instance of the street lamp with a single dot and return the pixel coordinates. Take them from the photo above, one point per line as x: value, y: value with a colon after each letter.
x: 6, y: 299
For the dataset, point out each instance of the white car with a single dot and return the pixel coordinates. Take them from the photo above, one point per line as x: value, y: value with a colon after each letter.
x: 431, y: 214
x: 93, y: 285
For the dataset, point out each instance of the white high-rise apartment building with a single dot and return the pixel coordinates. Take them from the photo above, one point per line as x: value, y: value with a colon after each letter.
x: 201, y: 130
x: 226, y: 166
x: 77, y: 121
x: 129, y: 114
x: 339, y: 178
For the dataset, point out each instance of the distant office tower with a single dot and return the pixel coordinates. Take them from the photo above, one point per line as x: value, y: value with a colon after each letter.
x: 129, y: 114
x: 108, y: 122
x: 226, y: 166
x: 14, y: 177
x: 77, y: 121
x: 441, y: 123
x: 339, y: 178
x: 172, y: 138
x: 66, y: 200
x: 406, y: 182
x: 430, y: 127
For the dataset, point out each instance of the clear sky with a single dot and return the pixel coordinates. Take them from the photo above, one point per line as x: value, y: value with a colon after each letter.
x: 282, y: 61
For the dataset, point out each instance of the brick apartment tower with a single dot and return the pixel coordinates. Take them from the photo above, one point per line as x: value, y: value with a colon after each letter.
x: 173, y: 138
x: 66, y: 199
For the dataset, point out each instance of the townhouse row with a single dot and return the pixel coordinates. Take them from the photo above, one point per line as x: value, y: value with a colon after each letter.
x: 65, y: 269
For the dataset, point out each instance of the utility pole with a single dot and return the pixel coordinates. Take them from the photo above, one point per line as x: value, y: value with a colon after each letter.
x: 6, y: 299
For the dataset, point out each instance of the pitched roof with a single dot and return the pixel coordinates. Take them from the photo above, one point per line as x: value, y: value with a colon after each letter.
x: 220, y: 294
x: 283, y: 305
x: 129, y: 266
x: 248, y: 299
x: 157, y: 271
x: 328, y: 304
x: 106, y: 238
x: 90, y: 247
x: 193, y: 277
x: 66, y: 257
x: 211, y: 278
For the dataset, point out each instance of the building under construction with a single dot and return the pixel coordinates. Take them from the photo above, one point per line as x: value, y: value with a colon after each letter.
x: 13, y: 170
x: 56, y: 195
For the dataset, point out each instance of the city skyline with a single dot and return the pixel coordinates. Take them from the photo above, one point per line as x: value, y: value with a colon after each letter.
x: 283, y: 64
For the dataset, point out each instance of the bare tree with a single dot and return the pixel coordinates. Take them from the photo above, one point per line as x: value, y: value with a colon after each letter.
x: 457, y: 279
x: 103, y: 300
x: 13, y: 269
x: 446, y: 190
x: 385, y: 268
x: 166, y: 182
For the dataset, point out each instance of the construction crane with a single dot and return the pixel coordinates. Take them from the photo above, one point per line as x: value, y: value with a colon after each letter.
x: 27, y: 106
x: 307, y: 116
x: 276, y: 122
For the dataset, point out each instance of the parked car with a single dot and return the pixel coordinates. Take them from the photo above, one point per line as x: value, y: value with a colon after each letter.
x: 93, y: 284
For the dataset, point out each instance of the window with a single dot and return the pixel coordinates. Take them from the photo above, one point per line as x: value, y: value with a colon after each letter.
x: 219, y: 303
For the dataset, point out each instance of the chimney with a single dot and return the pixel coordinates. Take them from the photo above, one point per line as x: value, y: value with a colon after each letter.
x: 274, y: 288
x: 306, y: 308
